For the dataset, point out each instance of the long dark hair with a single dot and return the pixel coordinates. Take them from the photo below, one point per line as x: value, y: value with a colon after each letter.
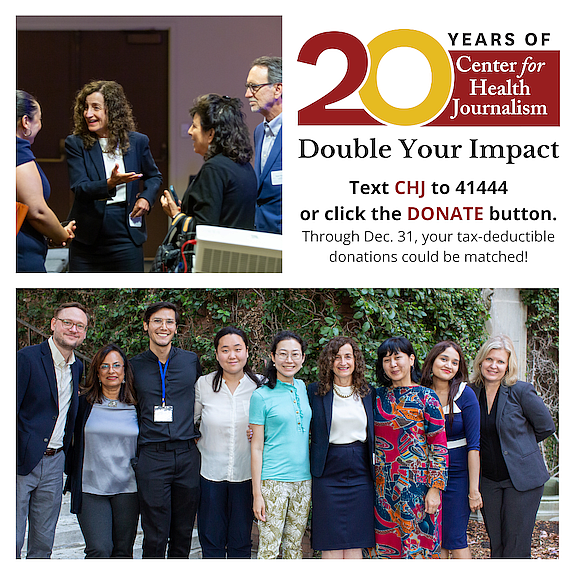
x: 395, y: 345
x: 460, y: 376
x: 118, y: 109
x: 326, y: 367
x: 224, y: 115
x: 92, y: 388
x: 217, y: 381
x: 270, y: 373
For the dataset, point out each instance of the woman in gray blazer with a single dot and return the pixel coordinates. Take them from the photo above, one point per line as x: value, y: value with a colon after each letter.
x: 513, y: 419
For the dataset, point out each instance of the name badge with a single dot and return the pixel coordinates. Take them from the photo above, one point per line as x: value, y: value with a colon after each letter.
x: 135, y: 222
x: 163, y: 413
x: 276, y: 177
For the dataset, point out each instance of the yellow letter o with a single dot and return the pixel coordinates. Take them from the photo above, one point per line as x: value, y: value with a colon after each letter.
x: 440, y: 90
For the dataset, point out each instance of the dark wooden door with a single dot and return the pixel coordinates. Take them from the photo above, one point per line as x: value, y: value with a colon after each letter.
x: 54, y: 65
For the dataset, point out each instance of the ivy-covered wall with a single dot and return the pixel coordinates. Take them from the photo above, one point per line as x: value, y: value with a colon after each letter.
x: 424, y: 315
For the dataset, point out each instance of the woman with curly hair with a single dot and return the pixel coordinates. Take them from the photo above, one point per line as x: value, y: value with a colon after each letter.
x: 114, y: 179
x: 99, y: 464
x: 225, y: 189
x: 341, y: 450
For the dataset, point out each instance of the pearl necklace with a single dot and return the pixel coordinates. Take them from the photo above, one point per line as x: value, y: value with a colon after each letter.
x: 335, y: 388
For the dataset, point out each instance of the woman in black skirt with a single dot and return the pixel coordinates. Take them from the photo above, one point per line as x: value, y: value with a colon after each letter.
x: 342, y: 432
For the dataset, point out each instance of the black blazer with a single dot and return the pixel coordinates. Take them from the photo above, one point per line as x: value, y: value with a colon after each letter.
x: 37, y: 404
x: 522, y: 420
x: 320, y: 427
x: 88, y: 182
x: 75, y: 457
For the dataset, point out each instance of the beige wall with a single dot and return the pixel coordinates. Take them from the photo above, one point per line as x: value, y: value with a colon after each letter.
x: 207, y: 54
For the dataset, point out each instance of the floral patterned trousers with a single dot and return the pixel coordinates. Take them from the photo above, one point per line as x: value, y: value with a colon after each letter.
x: 287, y: 508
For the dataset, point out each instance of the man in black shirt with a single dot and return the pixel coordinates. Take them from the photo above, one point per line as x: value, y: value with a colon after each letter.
x: 168, y: 468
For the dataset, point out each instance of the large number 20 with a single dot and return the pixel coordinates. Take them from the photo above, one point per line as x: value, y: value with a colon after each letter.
x: 440, y: 89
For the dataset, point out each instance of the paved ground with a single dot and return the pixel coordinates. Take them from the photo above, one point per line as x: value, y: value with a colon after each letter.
x: 69, y: 542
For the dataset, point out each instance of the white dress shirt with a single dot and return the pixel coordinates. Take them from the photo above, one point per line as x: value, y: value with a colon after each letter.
x: 64, y: 386
x: 223, y: 419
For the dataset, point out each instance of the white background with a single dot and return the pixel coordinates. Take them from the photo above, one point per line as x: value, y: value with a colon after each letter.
x: 321, y: 184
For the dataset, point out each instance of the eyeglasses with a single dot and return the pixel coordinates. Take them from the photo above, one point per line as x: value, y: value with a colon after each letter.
x: 285, y: 355
x: 107, y: 367
x: 68, y: 324
x: 157, y: 322
x: 255, y: 87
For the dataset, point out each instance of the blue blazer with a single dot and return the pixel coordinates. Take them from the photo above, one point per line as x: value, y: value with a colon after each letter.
x: 522, y: 420
x: 320, y: 427
x: 88, y: 182
x: 37, y: 404
x: 269, y: 202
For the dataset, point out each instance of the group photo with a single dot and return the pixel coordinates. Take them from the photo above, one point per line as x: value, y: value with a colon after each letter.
x: 377, y: 423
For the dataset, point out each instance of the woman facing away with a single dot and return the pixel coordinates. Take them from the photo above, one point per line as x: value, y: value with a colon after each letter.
x: 41, y: 225
x: 224, y: 191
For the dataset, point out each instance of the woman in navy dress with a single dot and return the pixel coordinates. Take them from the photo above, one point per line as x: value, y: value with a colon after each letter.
x: 33, y: 189
x: 341, y: 450
x: 445, y: 372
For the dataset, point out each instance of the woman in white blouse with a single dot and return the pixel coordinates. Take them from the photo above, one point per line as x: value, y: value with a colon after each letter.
x: 221, y: 410
x: 341, y: 453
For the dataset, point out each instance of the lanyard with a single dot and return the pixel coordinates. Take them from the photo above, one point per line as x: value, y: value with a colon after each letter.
x: 163, y: 378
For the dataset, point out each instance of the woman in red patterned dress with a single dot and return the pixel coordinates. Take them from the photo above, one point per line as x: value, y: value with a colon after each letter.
x: 411, y: 457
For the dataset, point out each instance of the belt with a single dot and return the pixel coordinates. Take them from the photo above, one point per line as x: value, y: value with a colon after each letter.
x: 456, y: 443
x: 170, y: 446
x: 52, y: 451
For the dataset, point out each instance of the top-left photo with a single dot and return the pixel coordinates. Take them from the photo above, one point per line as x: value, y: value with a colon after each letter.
x: 149, y: 144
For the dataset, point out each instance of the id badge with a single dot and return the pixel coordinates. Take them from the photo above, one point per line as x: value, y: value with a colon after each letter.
x: 163, y: 413
x: 136, y: 222
x: 276, y: 177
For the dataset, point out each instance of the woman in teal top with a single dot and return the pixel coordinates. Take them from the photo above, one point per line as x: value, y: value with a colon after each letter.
x: 281, y: 482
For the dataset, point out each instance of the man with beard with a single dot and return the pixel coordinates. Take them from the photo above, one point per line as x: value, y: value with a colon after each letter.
x: 47, y: 403
x: 168, y: 466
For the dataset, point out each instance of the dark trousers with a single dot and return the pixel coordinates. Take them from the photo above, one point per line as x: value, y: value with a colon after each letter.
x: 168, y: 477
x: 509, y: 516
x: 113, y: 251
x: 109, y: 524
x: 225, y: 519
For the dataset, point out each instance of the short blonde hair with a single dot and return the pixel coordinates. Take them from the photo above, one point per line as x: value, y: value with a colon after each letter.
x: 499, y: 342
